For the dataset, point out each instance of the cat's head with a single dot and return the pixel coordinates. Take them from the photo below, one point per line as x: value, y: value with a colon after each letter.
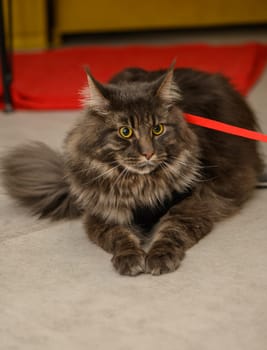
x: 135, y: 125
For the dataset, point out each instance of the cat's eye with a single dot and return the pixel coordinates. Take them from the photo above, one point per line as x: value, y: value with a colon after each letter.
x: 158, y: 129
x: 125, y: 132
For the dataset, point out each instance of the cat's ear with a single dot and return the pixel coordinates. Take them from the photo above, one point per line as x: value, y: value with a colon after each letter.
x: 93, y: 95
x: 167, y: 89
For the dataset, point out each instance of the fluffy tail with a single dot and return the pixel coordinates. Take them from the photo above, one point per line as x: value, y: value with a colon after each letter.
x: 33, y: 174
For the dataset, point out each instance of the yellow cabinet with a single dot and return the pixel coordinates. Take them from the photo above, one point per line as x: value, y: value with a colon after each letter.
x: 114, y: 15
x: 79, y: 16
x: 29, y: 23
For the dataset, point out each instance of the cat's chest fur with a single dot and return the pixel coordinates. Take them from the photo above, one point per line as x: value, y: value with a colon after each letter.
x: 120, y: 202
x: 133, y: 199
x: 146, y: 217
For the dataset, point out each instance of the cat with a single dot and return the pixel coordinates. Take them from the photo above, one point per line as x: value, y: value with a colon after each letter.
x: 148, y: 184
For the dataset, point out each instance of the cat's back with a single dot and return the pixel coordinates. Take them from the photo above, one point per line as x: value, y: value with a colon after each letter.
x: 206, y: 94
x: 213, y: 96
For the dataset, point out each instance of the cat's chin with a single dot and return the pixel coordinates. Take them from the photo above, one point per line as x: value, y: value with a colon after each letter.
x: 141, y: 170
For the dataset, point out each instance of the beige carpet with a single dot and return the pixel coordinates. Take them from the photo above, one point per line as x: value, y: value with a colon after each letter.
x: 59, y: 291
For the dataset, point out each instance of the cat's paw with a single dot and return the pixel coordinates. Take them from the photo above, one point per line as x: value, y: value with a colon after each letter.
x: 130, y: 262
x: 163, y: 260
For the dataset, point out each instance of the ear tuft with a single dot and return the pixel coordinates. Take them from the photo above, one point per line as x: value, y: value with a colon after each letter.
x: 168, y: 91
x: 91, y: 96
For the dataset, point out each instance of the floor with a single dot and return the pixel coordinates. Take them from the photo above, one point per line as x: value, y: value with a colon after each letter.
x: 59, y: 291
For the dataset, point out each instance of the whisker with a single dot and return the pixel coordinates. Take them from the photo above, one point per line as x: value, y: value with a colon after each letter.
x: 178, y: 161
x: 120, y: 177
x: 106, y: 172
x: 165, y: 168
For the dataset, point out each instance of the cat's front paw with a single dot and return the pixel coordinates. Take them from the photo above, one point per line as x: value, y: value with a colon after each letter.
x: 130, y: 262
x: 163, y: 260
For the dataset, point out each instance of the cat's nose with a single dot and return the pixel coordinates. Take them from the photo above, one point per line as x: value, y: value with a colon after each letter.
x: 148, y: 155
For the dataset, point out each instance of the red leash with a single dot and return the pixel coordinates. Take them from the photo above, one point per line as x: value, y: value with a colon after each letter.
x: 229, y: 129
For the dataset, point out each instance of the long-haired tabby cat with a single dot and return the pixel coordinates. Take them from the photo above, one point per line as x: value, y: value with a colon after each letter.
x: 148, y: 184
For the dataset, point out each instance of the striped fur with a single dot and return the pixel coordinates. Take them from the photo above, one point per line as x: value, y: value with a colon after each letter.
x: 109, y: 178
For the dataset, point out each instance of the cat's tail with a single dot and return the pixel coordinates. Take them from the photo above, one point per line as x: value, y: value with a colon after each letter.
x: 34, y: 175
